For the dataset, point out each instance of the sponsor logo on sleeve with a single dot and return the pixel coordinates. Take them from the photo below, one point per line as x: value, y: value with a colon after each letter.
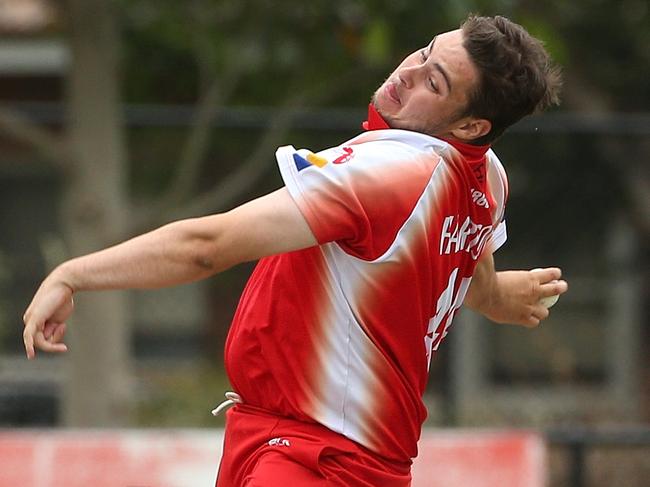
x: 304, y: 159
x: 316, y: 160
x: 308, y: 160
x: 348, y: 153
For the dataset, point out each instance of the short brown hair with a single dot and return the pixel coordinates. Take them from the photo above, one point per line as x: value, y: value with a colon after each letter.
x: 516, y: 75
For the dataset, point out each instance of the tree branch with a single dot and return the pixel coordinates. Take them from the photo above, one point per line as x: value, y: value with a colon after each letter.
x: 23, y: 130
x: 246, y: 175
x: 234, y: 185
x: 191, y: 159
x: 215, y: 90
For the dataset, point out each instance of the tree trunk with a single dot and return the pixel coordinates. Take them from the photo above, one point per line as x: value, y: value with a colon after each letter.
x: 98, y: 379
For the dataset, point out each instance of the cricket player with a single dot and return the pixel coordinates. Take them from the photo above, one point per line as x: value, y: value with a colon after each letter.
x: 366, y: 253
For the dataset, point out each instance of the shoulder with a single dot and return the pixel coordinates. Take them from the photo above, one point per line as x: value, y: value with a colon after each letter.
x: 497, y: 176
x: 497, y: 183
x: 390, y: 146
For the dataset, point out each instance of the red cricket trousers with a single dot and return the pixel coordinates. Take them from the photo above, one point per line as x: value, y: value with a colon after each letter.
x: 263, y: 450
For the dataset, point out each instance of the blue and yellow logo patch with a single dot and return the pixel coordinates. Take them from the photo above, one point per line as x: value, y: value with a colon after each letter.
x: 311, y: 160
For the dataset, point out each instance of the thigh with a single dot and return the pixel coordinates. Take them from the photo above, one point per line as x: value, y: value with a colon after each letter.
x: 245, y: 438
x: 363, y: 470
x: 275, y: 469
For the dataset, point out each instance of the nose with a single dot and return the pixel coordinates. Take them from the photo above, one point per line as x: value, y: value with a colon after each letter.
x: 408, y: 75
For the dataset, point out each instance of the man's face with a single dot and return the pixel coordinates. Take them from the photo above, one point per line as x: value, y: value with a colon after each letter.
x: 429, y: 90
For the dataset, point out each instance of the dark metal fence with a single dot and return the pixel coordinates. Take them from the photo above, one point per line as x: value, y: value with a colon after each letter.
x: 251, y: 117
x: 579, y: 441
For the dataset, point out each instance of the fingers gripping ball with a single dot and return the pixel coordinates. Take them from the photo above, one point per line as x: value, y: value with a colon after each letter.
x: 548, y: 301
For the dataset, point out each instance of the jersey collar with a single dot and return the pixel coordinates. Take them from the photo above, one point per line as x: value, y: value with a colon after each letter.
x: 471, y: 153
x: 375, y: 121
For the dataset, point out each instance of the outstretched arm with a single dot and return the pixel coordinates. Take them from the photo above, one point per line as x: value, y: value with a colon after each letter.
x: 177, y: 253
x: 512, y: 296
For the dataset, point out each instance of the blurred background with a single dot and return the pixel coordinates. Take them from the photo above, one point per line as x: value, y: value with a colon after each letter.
x: 119, y: 116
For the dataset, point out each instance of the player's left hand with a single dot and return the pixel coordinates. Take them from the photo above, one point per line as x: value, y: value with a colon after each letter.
x: 517, y: 295
x: 45, y: 317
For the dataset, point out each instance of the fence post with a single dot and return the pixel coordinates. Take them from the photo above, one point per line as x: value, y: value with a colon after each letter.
x: 624, y: 325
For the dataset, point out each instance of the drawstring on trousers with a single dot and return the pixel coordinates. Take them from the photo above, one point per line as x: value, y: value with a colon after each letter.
x: 232, y: 398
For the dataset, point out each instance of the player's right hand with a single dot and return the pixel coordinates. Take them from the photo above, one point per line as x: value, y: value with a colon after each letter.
x: 46, y: 316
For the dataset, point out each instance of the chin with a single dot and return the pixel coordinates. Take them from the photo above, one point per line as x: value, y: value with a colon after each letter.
x: 380, y: 107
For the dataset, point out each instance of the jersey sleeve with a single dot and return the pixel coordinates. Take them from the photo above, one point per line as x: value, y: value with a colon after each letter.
x: 357, y: 196
x: 498, y: 186
x: 498, y: 237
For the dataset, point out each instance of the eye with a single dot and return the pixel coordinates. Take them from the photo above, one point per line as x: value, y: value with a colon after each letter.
x: 424, y: 54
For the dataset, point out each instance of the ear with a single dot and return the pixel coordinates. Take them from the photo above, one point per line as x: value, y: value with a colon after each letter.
x: 472, y: 128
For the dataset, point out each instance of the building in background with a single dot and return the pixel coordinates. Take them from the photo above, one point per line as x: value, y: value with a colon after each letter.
x: 33, y: 63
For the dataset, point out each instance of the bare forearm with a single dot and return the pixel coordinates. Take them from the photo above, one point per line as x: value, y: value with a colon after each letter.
x: 513, y: 296
x: 483, y: 288
x: 173, y: 254
x: 177, y: 253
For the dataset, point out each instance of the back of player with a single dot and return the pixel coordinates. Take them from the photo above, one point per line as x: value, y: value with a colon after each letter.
x: 335, y: 341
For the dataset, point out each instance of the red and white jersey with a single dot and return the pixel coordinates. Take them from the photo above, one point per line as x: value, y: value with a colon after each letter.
x: 342, y: 334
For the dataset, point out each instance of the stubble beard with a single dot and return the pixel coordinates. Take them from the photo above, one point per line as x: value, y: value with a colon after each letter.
x: 436, y: 129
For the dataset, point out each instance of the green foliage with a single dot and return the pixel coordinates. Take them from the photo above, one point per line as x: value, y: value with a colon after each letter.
x: 183, y: 397
x: 276, y: 47
x: 543, y: 30
x: 376, y: 43
x: 279, y: 46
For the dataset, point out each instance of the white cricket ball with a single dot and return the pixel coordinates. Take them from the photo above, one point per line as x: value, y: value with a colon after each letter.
x: 548, y: 301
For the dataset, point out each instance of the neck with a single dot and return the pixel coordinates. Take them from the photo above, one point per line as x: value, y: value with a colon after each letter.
x: 469, y: 151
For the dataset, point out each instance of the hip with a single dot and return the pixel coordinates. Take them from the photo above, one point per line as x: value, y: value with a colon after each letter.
x: 259, y: 444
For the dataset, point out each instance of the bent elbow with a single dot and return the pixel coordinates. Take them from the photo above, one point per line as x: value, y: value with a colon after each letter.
x: 197, y: 245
